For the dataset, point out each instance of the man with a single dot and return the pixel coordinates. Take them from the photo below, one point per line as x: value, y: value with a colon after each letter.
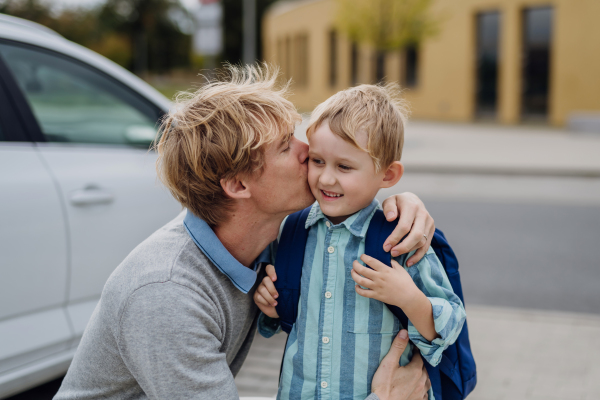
x: 176, y: 318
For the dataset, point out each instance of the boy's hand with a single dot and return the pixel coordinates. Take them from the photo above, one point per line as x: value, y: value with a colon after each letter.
x: 389, y: 285
x: 265, y: 294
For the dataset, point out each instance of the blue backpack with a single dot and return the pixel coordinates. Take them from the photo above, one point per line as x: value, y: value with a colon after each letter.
x: 455, y: 376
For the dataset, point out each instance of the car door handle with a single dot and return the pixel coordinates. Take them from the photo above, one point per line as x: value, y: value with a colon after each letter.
x: 90, y: 195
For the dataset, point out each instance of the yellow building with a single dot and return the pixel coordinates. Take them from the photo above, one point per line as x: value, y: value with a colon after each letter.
x: 507, y: 60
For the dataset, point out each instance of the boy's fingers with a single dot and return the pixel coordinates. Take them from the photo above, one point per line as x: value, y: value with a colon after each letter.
x: 271, y: 272
x: 396, y: 265
x: 267, y: 296
x: 364, y: 292
x: 258, y: 299
x: 268, y: 283
x: 362, y: 281
x: 373, y: 263
x: 362, y: 270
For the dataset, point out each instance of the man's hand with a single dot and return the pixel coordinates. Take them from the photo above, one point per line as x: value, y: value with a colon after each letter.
x: 393, y: 382
x: 388, y: 285
x: 414, y: 221
x: 265, y: 294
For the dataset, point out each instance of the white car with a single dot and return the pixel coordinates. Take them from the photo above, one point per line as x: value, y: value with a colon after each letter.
x: 78, y: 191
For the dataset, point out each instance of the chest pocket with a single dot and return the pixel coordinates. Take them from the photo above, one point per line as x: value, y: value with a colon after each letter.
x: 372, y: 317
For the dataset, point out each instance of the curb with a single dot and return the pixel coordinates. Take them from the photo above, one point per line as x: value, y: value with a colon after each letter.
x: 504, y: 171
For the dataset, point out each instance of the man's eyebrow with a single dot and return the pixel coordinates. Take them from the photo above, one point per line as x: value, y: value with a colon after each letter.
x: 286, y: 139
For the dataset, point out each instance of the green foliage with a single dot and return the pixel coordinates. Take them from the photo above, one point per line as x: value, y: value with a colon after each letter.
x: 386, y: 24
x: 141, y: 35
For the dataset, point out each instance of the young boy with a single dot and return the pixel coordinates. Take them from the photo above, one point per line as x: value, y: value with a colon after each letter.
x: 343, y: 329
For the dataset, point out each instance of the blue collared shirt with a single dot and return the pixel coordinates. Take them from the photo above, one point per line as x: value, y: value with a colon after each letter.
x: 201, y: 233
x: 340, y: 337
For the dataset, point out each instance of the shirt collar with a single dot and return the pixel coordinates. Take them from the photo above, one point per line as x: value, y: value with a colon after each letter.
x: 242, y: 277
x: 357, y: 223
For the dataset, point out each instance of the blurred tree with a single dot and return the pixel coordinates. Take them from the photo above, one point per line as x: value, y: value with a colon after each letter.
x: 157, y: 42
x: 386, y: 24
x: 233, y: 28
x: 142, y: 35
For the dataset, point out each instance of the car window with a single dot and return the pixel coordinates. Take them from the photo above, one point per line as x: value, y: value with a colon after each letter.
x: 78, y: 104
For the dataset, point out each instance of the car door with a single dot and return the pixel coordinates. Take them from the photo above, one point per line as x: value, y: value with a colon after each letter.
x: 94, y: 134
x: 34, y: 265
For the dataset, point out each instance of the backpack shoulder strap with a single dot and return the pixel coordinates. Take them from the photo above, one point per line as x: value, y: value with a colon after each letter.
x: 288, y: 266
x: 378, y: 232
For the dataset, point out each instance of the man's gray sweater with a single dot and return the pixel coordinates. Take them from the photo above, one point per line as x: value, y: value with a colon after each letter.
x: 169, y: 325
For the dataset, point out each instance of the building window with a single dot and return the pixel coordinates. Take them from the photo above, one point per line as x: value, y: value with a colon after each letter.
x: 354, y: 64
x: 488, y: 27
x: 301, y: 60
x: 537, y: 36
x: 411, y: 66
x: 379, y: 66
x: 332, y: 58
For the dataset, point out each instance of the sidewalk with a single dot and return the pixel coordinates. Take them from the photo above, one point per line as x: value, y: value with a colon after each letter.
x: 496, y: 149
x: 520, y: 355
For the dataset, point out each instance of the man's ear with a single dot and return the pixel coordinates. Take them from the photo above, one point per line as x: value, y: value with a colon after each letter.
x: 235, y: 188
x: 392, y: 175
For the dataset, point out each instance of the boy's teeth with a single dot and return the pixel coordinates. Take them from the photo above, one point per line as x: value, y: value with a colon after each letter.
x: 331, y: 194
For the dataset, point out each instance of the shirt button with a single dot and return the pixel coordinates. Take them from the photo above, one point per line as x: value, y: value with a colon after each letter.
x: 330, y: 249
x: 327, y: 295
x: 325, y: 339
x: 328, y: 224
x: 323, y: 384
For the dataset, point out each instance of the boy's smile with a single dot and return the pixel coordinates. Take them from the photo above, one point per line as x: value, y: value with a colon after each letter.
x: 341, y: 177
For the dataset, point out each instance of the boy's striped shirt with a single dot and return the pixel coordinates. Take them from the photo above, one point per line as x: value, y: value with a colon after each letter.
x: 340, y: 337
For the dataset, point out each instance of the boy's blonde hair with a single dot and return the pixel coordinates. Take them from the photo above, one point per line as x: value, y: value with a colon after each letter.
x: 219, y: 132
x: 376, y: 110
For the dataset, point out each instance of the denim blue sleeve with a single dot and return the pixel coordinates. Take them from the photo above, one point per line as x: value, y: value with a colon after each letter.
x: 448, y: 311
x: 268, y: 326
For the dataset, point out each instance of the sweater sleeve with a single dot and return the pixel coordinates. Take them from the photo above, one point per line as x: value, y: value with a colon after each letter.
x: 170, y: 338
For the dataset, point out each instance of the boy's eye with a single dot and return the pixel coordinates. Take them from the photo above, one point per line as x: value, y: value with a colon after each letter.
x: 345, y: 167
x: 317, y: 161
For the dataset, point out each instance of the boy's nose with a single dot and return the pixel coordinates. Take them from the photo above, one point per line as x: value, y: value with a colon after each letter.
x: 327, y: 178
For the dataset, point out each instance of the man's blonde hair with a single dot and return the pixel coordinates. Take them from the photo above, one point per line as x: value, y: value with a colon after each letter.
x: 220, y: 132
x: 375, y: 110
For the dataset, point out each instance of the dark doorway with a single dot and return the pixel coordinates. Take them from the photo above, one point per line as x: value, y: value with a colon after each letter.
x: 379, y: 66
x: 411, y: 66
x: 537, y: 36
x: 354, y: 64
x: 488, y: 33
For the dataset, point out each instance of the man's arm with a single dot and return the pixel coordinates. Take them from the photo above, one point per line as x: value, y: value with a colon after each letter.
x: 414, y: 221
x: 170, y: 339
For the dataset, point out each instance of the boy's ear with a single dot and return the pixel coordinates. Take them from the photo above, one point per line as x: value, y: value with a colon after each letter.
x: 392, y: 175
x: 235, y: 188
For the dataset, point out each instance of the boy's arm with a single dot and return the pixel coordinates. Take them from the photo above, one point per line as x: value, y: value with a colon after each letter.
x: 397, y: 285
x: 448, y: 312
